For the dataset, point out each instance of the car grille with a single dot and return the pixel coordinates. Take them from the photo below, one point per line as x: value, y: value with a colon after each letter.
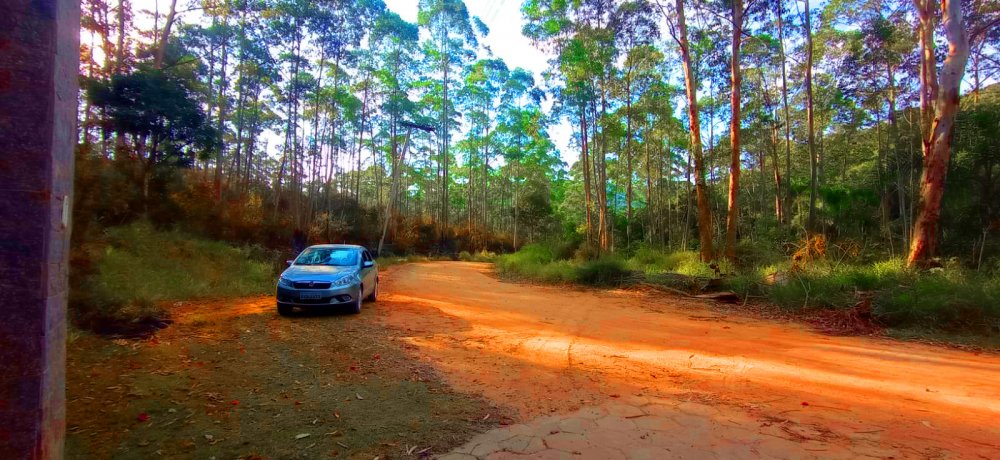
x: 312, y: 285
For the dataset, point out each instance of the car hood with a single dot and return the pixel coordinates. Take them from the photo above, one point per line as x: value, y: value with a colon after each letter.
x: 317, y: 272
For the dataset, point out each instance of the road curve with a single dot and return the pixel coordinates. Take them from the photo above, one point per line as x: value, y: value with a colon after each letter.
x: 648, y: 375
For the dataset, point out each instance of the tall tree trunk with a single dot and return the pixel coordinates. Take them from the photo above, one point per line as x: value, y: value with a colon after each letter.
x: 123, y: 9
x: 735, y: 101
x: 602, y: 180
x: 445, y: 64
x: 811, y: 227
x: 221, y: 126
x: 628, y: 161
x: 397, y: 166
x: 784, y: 102
x: 652, y: 209
x: 939, y: 96
x: 585, y: 165
x: 701, y: 188
x: 164, y: 36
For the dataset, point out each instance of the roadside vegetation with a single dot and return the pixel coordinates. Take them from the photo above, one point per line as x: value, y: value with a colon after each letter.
x: 126, y: 275
x: 951, y: 302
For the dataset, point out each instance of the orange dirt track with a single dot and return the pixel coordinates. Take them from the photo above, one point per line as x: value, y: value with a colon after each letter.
x: 546, y: 351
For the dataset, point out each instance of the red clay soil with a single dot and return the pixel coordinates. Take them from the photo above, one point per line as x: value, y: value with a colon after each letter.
x: 542, y: 350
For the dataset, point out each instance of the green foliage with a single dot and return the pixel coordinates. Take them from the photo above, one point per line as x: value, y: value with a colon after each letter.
x: 604, y: 271
x: 138, y: 267
x: 548, y: 263
x: 158, y: 106
x: 481, y: 256
x: 951, y: 299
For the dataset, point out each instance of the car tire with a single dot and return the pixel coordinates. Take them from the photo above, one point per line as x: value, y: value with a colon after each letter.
x: 356, y: 306
x: 374, y: 295
x: 284, y: 310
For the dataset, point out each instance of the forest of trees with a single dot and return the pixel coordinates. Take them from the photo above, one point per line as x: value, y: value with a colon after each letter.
x: 699, y: 124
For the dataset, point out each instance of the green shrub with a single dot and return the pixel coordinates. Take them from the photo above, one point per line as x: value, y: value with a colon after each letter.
x: 762, y: 252
x: 744, y: 284
x: 650, y: 260
x: 605, y: 271
x: 141, y: 267
x: 948, y: 300
x: 541, y: 262
x: 560, y: 272
x: 481, y: 256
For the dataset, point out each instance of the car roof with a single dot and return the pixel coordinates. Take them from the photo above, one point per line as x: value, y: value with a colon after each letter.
x: 341, y: 246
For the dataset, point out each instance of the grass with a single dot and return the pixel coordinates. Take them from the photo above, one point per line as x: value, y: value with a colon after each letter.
x: 386, y: 262
x: 948, y: 301
x: 540, y: 262
x: 137, y: 267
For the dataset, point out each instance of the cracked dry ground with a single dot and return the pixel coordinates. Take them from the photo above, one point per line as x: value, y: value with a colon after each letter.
x: 623, y: 374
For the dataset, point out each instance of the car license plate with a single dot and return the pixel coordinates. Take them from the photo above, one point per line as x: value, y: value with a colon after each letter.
x: 309, y: 295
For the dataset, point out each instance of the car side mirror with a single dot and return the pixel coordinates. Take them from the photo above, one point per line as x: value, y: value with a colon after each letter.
x: 368, y: 263
x: 289, y: 262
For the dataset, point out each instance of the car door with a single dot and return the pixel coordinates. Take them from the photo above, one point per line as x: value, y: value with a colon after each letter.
x: 368, y: 274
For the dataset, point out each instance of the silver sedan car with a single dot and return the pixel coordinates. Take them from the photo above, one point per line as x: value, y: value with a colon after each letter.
x: 328, y: 275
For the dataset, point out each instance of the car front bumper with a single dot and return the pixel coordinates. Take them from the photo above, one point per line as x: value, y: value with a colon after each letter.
x: 341, y: 295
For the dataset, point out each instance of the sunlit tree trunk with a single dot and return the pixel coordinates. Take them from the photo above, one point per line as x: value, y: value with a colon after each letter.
x: 585, y: 165
x: 784, y: 102
x: 735, y: 101
x: 701, y: 188
x: 939, y: 98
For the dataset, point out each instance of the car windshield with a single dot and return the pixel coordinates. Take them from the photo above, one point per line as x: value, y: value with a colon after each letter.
x: 339, y: 257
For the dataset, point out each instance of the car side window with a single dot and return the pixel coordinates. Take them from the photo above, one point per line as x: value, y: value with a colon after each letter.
x: 366, y: 256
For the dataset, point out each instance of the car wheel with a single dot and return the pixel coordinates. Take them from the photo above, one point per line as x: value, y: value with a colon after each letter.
x: 356, y: 306
x: 284, y: 310
x: 374, y: 295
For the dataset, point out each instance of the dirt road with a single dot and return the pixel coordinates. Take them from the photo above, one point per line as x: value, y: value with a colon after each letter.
x: 647, y: 375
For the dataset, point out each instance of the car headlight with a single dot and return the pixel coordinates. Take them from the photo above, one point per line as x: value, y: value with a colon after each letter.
x: 346, y: 281
x: 284, y: 282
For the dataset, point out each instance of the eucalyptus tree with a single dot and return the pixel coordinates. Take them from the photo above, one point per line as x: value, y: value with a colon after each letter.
x: 661, y: 136
x: 764, y: 112
x: 882, y: 47
x: 939, y: 97
x: 338, y: 28
x: 452, y: 41
x: 256, y: 69
x: 677, y: 25
x: 394, y: 47
x: 810, y: 118
x: 531, y: 164
x: 635, y: 28
x: 580, y: 36
x: 212, y: 45
x: 287, y: 26
x: 481, y: 93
